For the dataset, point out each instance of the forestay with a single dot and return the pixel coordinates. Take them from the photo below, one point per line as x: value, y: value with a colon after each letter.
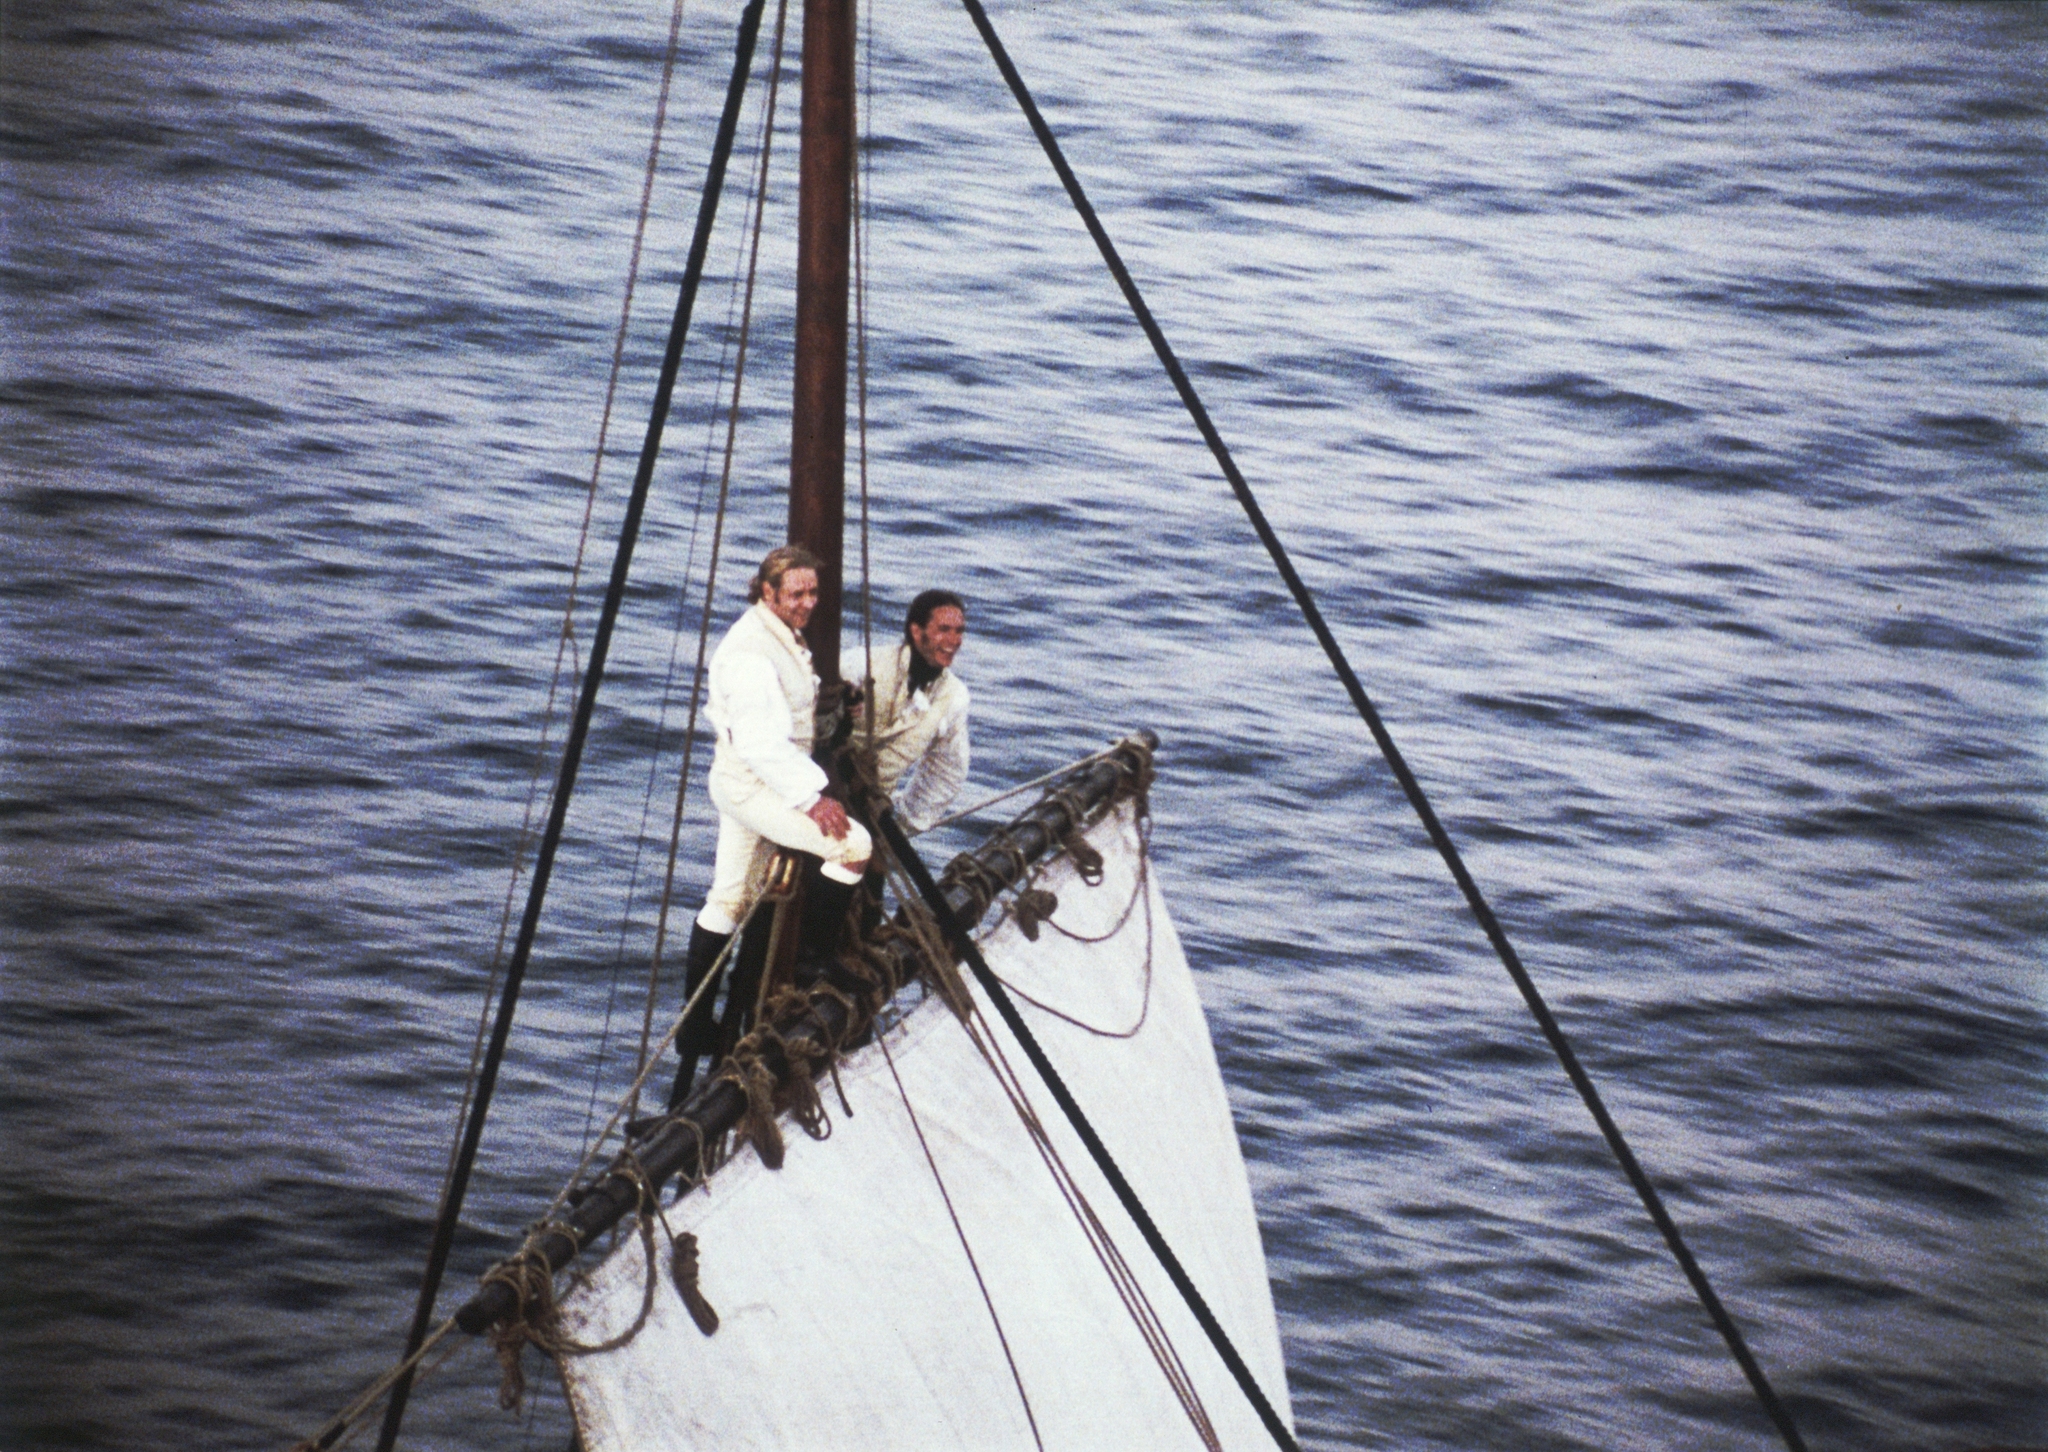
x: 850, y: 1312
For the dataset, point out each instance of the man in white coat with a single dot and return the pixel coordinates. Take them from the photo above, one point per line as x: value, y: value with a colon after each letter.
x: 768, y: 790
x: 915, y: 710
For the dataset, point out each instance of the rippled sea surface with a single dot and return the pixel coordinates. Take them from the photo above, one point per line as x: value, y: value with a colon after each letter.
x: 1653, y: 394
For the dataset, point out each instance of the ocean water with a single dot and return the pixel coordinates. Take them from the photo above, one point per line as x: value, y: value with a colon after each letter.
x: 1653, y: 394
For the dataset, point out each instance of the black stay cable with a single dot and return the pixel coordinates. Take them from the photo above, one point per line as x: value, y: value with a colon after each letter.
x: 579, y: 730
x: 899, y: 844
x: 1495, y: 934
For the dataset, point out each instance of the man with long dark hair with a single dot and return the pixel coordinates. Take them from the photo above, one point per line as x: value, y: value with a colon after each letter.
x: 915, y: 712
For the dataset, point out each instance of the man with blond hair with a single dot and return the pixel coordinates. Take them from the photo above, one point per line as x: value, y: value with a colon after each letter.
x: 769, y: 792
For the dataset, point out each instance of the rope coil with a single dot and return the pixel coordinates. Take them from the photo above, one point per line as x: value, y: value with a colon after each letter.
x: 537, y: 1317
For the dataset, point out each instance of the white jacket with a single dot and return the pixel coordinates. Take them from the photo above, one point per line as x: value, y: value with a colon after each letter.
x: 920, y: 733
x: 764, y: 701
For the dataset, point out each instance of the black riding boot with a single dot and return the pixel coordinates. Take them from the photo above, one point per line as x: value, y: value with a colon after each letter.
x: 699, y: 1030
x: 824, y: 916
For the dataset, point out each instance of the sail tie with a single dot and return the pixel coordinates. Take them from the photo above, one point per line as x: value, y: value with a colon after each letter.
x: 1034, y: 907
x: 536, y: 1317
x: 683, y: 1271
x: 778, y: 1074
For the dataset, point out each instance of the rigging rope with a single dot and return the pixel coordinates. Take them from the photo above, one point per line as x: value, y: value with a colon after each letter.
x: 1137, y: 1305
x: 863, y: 175
x: 732, y: 423
x: 579, y: 729
x: 1410, y: 786
x: 566, y: 638
x: 651, y: 999
x: 629, y: 1101
x: 652, y: 996
x: 341, y: 1428
x: 1036, y: 781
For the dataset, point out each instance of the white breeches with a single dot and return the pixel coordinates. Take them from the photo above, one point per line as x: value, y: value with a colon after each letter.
x: 749, y: 833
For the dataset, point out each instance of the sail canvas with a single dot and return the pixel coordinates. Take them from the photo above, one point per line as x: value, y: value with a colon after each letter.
x: 851, y: 1312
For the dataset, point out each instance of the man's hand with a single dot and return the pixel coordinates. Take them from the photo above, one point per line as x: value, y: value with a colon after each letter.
x: 830, y: 817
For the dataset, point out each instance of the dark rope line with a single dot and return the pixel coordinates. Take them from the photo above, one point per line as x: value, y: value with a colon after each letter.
x: 992, y: 986
x: 1495, y: 934
x: 572, y: 748
x: 758, y: 205
x: 604, y: 426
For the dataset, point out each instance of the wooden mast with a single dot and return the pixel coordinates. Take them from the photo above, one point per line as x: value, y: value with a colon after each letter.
x: 817, y: 451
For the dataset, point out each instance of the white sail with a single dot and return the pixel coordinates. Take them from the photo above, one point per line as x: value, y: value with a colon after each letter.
x: 851, y: 1316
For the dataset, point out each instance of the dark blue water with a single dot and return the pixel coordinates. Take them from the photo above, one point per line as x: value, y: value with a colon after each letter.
x: 1654, y: 395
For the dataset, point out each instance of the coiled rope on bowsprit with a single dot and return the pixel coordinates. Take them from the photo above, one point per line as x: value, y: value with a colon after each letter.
x: 1412, y: 788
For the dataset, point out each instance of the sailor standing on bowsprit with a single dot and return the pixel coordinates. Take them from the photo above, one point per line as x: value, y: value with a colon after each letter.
x: 769, y: 792
x: 914, y: 715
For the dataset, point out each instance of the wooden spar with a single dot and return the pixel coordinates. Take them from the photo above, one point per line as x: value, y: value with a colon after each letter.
x: 669, y: 1145
x: 817, y: 447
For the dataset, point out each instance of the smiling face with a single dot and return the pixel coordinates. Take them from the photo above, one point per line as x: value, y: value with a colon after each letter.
x: 794, y: 599
x: 939, y: 639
